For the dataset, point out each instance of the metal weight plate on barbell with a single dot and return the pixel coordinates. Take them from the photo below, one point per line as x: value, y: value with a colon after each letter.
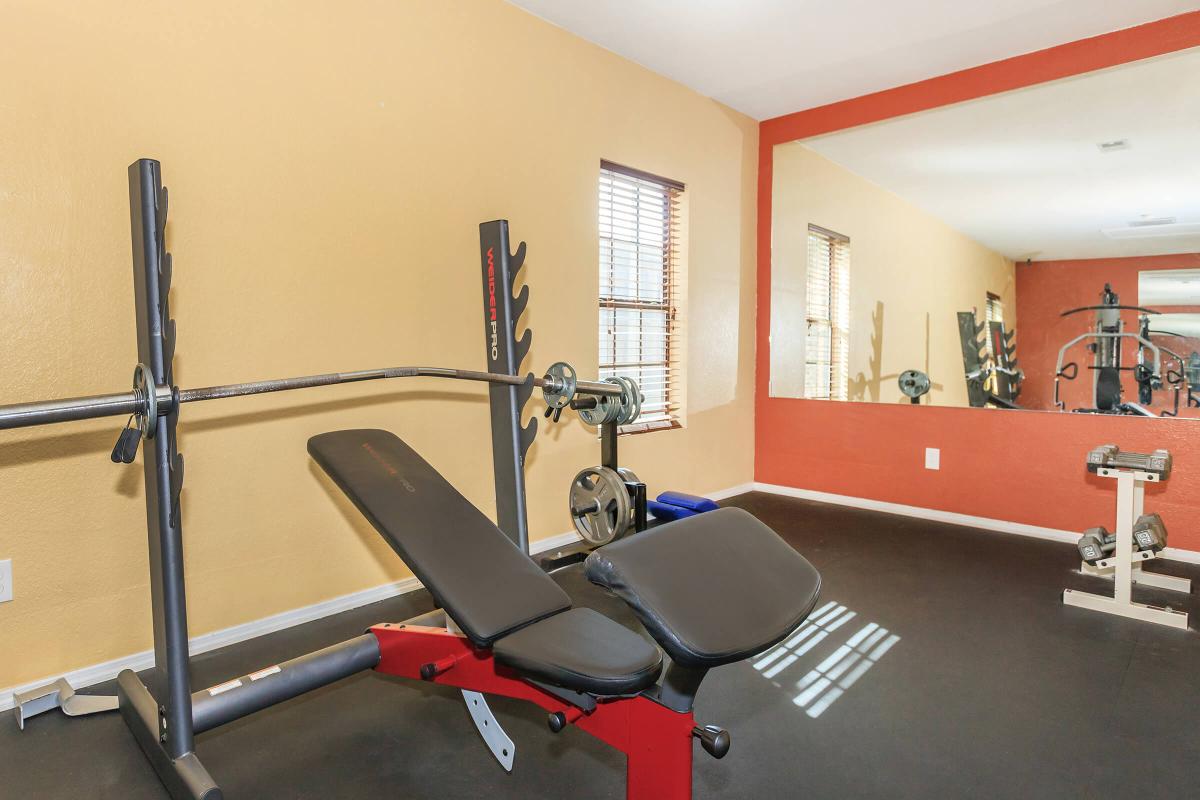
x: 631, y: 401
x: 607, y: 409
x: 599, y: 505
x: 564, y: 374
x: 914, y: 383
x: 143, y: 388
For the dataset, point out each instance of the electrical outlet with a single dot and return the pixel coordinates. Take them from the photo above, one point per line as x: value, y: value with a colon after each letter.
x: 933, y: 458
x: 6, y: 589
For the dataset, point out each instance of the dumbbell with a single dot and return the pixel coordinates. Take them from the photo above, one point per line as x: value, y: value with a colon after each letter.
x: 1149, y: 533
x: 1096, y: 543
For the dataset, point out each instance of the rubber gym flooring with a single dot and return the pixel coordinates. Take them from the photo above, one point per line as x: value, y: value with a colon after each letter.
x: 946, y: 666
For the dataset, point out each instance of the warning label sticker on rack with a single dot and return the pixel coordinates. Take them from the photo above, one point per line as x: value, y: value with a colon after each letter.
x: 262, y: 673
x: 225, y: 687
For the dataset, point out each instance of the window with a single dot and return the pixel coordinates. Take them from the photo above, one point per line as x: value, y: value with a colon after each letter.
x: 993, y: 312
x: 827, y: 312
x: 639, y: 256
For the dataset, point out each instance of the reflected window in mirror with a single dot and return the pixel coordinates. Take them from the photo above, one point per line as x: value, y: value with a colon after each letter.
x: 993, y: 313
x: 1078, y: 227
x: 827, y: 315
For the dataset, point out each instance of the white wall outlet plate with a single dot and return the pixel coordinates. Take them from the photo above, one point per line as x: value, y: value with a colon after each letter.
x: 933, y: 458
x: 6, y: 589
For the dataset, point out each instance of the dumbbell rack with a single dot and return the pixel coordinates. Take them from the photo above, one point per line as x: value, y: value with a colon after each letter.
x: 1125, y: 564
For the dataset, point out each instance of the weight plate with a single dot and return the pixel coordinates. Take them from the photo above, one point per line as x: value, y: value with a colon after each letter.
x: 914, y: 383
x: 564, y: 374
x: 607, y: 408
x: 631, y: 401
x: 599, y: 505
x: 143, y: 386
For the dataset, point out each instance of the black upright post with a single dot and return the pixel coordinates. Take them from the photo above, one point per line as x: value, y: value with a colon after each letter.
x: 160, y: 715
x: 608, y: 445
x: 501, y: 309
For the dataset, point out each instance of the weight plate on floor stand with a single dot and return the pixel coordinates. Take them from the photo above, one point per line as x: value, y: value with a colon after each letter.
x: 600, y: 506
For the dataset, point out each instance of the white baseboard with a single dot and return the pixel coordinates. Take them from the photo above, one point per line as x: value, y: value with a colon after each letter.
x: 206, y: 642
x: 732, y: 491
x: 555, y: 542
x: 967, y: 520
x: 98, y: 673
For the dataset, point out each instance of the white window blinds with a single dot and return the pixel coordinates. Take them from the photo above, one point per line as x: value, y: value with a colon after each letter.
x: 639, y: 255
x: 827, y: 312
x: 993, y: 312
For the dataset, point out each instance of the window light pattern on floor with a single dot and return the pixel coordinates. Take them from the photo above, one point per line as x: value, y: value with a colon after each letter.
x: 837, y: 672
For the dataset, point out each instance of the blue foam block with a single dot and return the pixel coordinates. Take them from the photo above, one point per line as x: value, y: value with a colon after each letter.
x: 690, y: 502
x: 667, y: 512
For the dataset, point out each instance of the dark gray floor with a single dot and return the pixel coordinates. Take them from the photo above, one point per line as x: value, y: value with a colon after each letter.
x: 994, y: 689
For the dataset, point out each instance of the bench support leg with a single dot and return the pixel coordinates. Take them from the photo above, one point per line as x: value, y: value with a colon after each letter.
x: 659, y: 753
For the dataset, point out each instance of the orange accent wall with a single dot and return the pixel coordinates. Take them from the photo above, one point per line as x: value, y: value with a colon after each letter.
x: 1047, y: 288
x: 1021, y: 466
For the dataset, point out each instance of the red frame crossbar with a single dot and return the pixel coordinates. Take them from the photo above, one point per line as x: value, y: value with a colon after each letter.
x: 656, y: 741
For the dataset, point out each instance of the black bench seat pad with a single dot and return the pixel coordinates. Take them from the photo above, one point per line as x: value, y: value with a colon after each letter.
x: 582, y: 650
x: 486, y: 584
x: 711, y: 589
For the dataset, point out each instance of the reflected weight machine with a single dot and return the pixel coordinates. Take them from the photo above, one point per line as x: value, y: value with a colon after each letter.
x: 1105, y: 341
x: 1183, y: 377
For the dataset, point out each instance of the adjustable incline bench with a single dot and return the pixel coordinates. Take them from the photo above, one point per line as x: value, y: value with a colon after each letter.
x: 711, y: 590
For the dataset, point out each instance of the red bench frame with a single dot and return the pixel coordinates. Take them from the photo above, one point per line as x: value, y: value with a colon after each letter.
x: 656, y: 741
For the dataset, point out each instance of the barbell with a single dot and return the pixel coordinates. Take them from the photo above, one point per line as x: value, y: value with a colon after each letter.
x: 620, y: 397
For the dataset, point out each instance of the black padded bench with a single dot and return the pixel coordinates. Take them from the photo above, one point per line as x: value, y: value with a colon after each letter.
x: 710, y: 589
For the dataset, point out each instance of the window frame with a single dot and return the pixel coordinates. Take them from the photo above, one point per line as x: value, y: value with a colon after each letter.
x: 992, y: 302
x: 836, y: 347
x: 672, y: 414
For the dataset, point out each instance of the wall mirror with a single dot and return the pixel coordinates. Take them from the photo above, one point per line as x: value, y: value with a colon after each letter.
x: 1036, y: 249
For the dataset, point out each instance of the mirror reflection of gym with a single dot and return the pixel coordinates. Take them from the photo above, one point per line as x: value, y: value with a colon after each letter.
x: 1032, y: 250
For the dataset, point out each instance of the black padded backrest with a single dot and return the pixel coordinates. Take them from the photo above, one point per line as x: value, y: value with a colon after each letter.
x: 476, y: 573
x: 711, y: 589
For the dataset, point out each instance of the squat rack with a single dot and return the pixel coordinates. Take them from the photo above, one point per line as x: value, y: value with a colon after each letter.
x: 163, y: 713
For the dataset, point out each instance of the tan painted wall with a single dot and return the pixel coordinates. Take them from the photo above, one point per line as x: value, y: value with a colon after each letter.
x: 328, y: 166
x: 903, y: 261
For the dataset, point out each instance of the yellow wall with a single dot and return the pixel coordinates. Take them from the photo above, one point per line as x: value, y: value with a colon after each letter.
x: 328, y: 166
x: 910, y: 274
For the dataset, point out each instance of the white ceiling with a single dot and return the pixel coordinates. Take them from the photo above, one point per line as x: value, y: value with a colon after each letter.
x: 1022, y: 172
x: 766, y: 58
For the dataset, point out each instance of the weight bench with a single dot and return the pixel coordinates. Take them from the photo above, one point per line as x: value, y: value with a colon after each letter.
x: 712, y: 589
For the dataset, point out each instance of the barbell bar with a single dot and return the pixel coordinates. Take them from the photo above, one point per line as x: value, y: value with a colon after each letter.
x: 47, y: 412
